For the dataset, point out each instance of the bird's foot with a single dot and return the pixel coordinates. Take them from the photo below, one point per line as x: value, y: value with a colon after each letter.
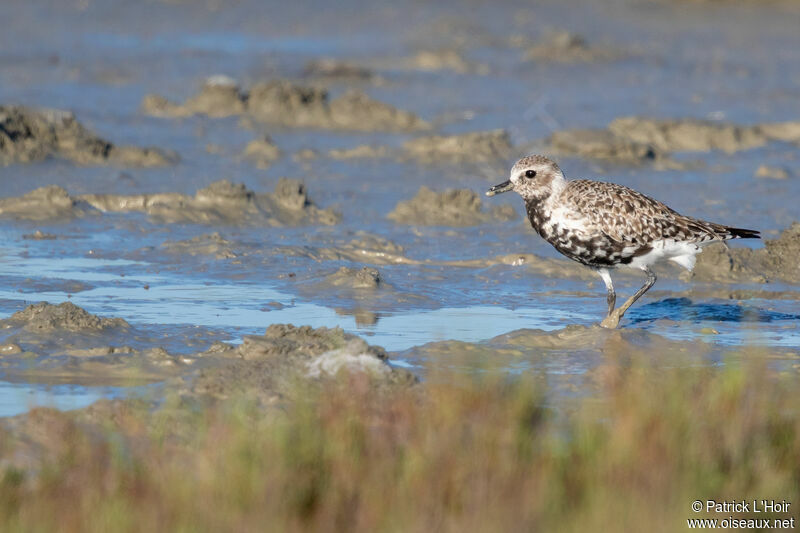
x: 612, y: 320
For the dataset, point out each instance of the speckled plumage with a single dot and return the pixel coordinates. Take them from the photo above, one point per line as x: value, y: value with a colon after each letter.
x: 604, y: 225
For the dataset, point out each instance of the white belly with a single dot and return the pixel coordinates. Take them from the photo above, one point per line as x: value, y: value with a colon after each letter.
x: 680, y: 252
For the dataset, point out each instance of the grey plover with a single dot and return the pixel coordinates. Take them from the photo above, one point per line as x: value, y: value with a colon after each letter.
x: 605, y: 226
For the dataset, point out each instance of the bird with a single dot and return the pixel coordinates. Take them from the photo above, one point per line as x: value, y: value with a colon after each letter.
x: 606, y: 226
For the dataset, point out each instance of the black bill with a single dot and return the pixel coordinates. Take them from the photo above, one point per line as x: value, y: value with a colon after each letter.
x: 500, y: 187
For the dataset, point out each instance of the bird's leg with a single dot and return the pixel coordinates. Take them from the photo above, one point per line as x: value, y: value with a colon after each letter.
x: 612, y: 320
x: 612, y: 296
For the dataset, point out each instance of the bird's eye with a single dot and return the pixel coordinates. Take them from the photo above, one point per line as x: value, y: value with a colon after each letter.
x: 530, y: 173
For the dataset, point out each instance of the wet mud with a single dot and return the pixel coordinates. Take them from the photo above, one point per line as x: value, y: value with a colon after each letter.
x: 363, y: 292
x: 365, y: 248
x: 268, y: 365
x: 691, y: 135
x: 339, y: 70
x: 30, y: 135
x: 453, y: 207
x: 640, y: 140
x: 443, y: 59
x: 67, y: 316
x: 475, y: 147
x: 577, y: 356
x: 219, y: 97
x: 777, y: 261
x: 65, y: 342
x: 566, y: 47
x: 577, y: 359
x: 284, y: 103
x: 65, y: 286
x: 532, y: 264
x: 44, y: 204
x: 772, y: 172
x: 590, y: 339
x: 262, y: 152
x: 212, y: 244
x: 480, y: 147
x: 356, y: 278
x: 222, y: 202
x: 364, y: 151
x: 53, y: 343
x: 266, y: 369
x: 400, y: 123
x: 601, y: 144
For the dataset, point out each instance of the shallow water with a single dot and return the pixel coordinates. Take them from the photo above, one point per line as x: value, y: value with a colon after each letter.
x: 17, y: 398
x: 682, y: 60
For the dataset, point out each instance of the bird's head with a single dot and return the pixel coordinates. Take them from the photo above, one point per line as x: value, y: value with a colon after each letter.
x: 533, y: 176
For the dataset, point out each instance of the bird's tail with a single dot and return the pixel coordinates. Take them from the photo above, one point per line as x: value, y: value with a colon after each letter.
x: 741, y: 233
x: 706, y: 231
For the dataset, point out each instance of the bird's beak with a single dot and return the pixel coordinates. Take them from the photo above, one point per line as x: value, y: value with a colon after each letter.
x: 500, y: 187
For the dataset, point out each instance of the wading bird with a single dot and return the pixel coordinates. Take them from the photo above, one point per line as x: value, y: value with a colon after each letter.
x: 606, y: 226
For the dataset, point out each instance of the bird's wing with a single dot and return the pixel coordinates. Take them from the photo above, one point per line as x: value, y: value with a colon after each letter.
x: 630, y: 217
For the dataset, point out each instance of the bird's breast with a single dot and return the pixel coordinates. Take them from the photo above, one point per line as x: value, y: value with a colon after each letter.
x: 574, y: 238
x: 538, y: 216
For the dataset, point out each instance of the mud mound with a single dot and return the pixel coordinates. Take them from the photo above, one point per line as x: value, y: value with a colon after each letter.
x: 565, y: 47
x: 287, y: 104
x: 542, y: 266
x: 443, y: 59
x: 589, y: 348
x: 39, y: 235
x: 481, y: 147
x: 219, y: 96
x: 363, y: 151
x: 781, y: 131
x: 65, y: 316
x: 68, y: 342
x: 475, y: 147
x: 336, y: 69
x: 65, y: 342
x: 636, y: 139
x: 210, y: 244
x: 777, y: 261
x: 289, y: 342
x: 688, y: 135
x: 158, y: 106
x: 262, y: 152
x: 221, y: 202
x: 282, y: 102
x: 354, y: 110
x: 366, y: 248
x: 600, y: 144
x: 353, y: 357
x: 267, y: 364
x: 773, y: 173
x: 355, y: 278
x: 45, y: 203
x: 224, y: 202
x: 30, y: 135
x: 358, y: 291
x: 453, y: 207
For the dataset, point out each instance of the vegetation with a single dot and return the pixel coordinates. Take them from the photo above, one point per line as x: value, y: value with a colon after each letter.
x: 481, y: 454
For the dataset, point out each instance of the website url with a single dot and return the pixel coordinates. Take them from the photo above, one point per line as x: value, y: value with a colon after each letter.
x: 740, y: 523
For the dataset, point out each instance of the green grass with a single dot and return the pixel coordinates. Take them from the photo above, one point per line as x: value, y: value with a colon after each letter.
x: 481, y: 454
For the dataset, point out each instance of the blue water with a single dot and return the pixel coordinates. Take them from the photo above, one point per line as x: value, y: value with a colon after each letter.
x: 241, y: 308
x: 17, y: 398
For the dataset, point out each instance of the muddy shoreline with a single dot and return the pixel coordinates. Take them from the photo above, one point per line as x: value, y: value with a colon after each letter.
x: 202, y: 173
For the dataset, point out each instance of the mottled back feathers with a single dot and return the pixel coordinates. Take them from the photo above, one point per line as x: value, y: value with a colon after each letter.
x: 630, y: 217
